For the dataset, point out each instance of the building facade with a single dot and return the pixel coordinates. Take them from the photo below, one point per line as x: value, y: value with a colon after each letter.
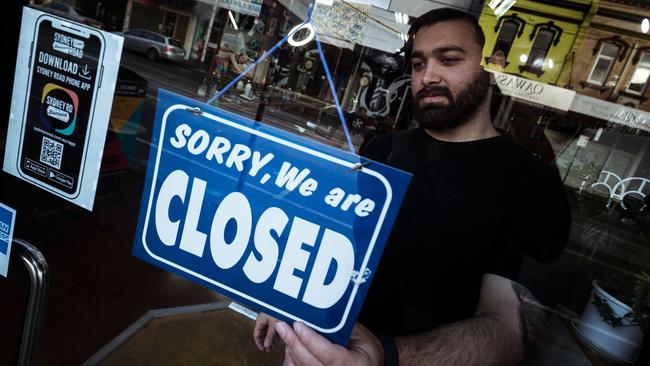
x: 614, y: 57
x: 538, y: 38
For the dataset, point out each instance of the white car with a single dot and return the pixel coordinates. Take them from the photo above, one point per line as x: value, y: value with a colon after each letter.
x: 154, y: 45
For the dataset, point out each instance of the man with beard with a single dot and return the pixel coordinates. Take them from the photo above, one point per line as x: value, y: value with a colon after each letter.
x: 444, y: 292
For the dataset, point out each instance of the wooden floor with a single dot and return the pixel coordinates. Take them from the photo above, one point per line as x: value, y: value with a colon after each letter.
x: 189, y: 336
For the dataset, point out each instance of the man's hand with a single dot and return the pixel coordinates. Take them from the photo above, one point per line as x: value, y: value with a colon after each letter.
x: 264, y: 332
x: 303, y: 346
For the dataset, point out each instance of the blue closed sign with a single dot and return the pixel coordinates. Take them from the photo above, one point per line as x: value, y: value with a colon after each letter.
x: 283, y: 224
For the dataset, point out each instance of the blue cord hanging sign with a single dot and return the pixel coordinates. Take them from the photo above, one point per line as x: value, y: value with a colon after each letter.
x: 286, y: 225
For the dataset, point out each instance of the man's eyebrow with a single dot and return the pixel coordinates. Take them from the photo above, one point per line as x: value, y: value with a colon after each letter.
x: 445, y: 49
x: 417, y: 54
x: 439, y: 51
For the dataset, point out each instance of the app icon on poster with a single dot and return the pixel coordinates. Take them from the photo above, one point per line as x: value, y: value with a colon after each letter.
x: 59, y: 109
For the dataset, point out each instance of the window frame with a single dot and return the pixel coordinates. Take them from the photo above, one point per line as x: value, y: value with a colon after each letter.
x: 640, y: 54
x: 610, y: 67
x: 556, y: 33
x: 513, y: 18
x: 530, y: 66
x: 511, y: 41
x: 134, y: 33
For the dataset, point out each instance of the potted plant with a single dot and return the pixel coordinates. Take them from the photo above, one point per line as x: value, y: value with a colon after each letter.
x: 610, y: 326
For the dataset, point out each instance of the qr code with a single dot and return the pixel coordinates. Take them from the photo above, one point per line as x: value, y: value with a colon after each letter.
x: 51, y: 152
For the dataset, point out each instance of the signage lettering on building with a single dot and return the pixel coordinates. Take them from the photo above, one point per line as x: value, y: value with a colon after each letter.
x: 568, y: 100
x: 247, y: 7
x: 288, y: 226
x: 612, y: 112
x: 534, y: 91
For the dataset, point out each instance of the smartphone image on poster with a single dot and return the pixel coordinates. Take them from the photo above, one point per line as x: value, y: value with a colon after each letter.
x: 65, y: 70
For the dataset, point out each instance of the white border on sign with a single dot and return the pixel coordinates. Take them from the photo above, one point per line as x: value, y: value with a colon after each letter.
x: 349, y: 165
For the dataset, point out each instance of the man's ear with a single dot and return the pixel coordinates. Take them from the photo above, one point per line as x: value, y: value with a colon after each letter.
x: 498, y: 58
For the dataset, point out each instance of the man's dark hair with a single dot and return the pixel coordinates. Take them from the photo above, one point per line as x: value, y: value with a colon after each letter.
x: 436, y: 16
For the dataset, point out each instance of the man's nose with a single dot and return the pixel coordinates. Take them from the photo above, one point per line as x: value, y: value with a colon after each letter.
x: 431, y: 75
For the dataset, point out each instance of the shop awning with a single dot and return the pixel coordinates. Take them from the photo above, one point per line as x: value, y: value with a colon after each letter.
x: 341, y: 43
x: 534, y: 91
x: 567, y: 100
x: 248, y: 7
x: 611, y: 112
x: 381, y: 31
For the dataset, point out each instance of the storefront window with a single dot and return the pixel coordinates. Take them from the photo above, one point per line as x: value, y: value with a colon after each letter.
x: 572, y: 96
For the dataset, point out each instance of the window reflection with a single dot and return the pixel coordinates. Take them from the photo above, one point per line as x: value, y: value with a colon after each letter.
x: 604, y: 62
x: 595, y: 48
x: 506, y: 37
x: 640, y: 77
x: 537, y: 56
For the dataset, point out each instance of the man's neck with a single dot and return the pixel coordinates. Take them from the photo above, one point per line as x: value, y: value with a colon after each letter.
x: 478, y: 127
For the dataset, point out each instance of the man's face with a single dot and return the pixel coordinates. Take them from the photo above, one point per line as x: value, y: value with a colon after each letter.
x: 447, y: 79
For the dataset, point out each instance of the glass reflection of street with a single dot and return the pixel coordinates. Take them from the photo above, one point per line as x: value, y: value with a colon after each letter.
x: 290, y: 111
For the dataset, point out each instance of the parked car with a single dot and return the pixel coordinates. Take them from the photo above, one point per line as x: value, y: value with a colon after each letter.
x: 70, y: 12
x: 154, y: 45
x: 329, y: 121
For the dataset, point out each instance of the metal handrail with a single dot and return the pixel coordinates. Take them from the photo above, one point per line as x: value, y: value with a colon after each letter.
x: 37, y: 271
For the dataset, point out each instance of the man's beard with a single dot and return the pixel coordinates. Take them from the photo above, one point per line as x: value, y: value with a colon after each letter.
x: 458, y: 111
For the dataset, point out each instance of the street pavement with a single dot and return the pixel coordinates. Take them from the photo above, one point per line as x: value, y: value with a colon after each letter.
x: 178, y: 78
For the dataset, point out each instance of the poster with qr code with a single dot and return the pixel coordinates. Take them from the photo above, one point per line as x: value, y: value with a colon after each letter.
x: 61, y: 103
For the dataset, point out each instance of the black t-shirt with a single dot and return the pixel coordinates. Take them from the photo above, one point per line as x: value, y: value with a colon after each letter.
x: 472, y: 208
